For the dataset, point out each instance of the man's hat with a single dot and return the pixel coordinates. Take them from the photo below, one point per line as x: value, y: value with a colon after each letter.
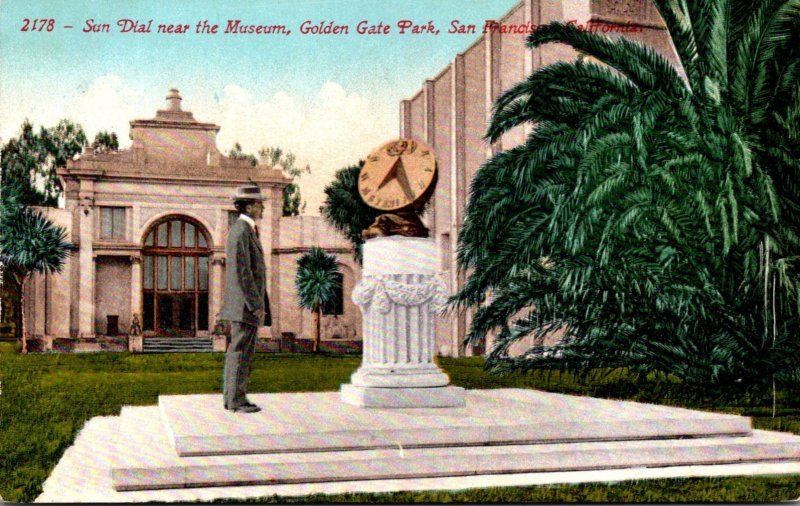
x: 248, y: 193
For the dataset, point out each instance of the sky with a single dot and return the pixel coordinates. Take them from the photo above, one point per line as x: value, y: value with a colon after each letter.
x: 328, y: 98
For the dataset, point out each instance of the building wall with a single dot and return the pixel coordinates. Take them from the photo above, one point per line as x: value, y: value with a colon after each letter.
x: 453, y: 109
x: 111, y: 296
x: 511, y: 68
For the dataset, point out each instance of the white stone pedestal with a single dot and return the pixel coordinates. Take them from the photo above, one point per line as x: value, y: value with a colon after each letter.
x: 400, y: 295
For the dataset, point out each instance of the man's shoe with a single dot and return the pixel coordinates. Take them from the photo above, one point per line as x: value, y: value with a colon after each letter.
x: 245, y: 408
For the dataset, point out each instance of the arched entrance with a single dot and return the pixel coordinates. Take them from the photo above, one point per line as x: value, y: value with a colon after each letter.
x: 175, y: 258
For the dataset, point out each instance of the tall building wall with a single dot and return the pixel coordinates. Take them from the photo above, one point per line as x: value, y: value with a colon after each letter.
x: 453, y: 109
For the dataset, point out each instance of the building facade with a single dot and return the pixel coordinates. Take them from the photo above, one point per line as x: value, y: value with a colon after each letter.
x: 453, y: 109
x: 150, y: 224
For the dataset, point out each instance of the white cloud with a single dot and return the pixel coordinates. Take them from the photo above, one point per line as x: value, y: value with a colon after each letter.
x: 328, y: 130
x: 106, y: 103
x: 109, y: 104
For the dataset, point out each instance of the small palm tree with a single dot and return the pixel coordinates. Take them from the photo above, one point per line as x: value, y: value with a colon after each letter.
x: 317, y: 284
x: 29, y: 243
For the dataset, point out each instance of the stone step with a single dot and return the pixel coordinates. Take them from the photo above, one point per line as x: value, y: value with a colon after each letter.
x: 192, y: 349
x: 177, y: 340
x: 177, y: 344
x: 143, y: 458
x: 314, y: 421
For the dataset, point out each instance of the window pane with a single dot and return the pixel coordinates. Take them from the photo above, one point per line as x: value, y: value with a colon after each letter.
x: 186, y: 315
x: 189, y: 235
x: 119, y: 223
x: 148, y: 273
x: 162, y: 273
x: 175, y: 277
x: 149, y: 240
x: 201, y: 239
x: 162, y: 234
x: 106, y: 230
x: 203, y: 274
x: 175, y: 234
x: 188, y: 273
x: 148, y: 311
x: 202, y: 315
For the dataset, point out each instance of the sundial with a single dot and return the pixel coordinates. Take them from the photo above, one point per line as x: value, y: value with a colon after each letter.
x: 399, y: 178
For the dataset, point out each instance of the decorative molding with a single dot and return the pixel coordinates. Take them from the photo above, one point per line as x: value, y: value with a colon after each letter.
x: 382, y: 292
x: 149, y: 215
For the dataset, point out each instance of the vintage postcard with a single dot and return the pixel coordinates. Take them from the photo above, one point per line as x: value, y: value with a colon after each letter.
x: 274, y: 247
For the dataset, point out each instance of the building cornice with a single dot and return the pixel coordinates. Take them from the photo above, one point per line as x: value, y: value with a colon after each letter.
x: 307, y: 249
x: 173, y: 125
x: 76, y: 173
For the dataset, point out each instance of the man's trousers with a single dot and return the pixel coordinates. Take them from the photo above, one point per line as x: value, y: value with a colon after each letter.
x: 238, y: 359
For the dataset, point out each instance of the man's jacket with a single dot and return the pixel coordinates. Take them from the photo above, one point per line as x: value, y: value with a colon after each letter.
x: 245, y: 277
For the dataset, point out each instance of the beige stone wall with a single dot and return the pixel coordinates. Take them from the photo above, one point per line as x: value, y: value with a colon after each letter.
x: 511, y: 68
x: 416, y: 120
x: 112, y: 297
x: 452, y: 111
x: 474, y: 110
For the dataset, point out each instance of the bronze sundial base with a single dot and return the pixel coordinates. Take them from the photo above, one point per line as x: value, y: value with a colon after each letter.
x: 405, y: 223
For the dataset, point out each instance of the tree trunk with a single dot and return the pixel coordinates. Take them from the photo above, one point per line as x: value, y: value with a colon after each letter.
x: 317, y: 336
x: 22, y: 314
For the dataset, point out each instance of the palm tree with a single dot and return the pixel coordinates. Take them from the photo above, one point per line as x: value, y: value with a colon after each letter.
x: 317, y: 284
x: 345, y: 209
x: 29, y: 243
x: 652, y: 213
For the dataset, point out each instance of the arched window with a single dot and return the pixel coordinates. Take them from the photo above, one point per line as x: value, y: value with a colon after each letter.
x: 175, y: 260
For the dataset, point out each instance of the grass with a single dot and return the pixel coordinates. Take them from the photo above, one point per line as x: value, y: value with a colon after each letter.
x: 46, y: 398
x: 744, y: 489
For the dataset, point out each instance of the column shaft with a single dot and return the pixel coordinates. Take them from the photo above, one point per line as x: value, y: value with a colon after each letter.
x: 86, y: 274
x: 136, y: 287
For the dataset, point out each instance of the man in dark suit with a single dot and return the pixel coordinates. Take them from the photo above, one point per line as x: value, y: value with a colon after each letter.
x: 246, y: 304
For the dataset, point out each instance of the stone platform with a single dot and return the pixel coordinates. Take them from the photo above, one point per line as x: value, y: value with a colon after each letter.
x: 190, y: 441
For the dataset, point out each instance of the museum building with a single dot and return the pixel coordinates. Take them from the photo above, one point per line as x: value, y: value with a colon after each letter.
x: 150, y: 224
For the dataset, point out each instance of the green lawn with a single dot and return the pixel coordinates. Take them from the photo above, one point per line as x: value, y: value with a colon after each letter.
x: 46, y: 398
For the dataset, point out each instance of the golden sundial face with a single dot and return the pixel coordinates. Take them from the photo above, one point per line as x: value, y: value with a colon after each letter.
x: 397, y: 175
